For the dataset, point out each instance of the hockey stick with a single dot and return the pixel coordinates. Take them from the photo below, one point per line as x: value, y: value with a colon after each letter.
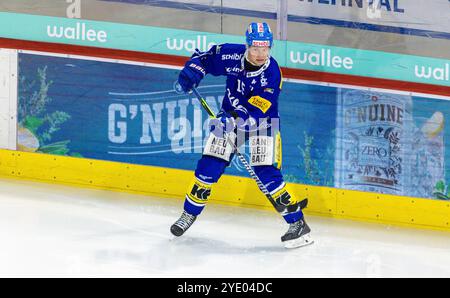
x: 279, y: 207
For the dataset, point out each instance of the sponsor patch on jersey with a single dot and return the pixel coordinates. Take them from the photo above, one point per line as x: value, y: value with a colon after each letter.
x: 234, y: 56
x: 259, y: 102
x: 270, y: 90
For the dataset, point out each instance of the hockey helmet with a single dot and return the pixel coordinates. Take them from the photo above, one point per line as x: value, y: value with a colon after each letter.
x: 259, y: 35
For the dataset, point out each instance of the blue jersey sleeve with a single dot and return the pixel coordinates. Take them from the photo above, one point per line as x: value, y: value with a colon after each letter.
x: 218, y: 58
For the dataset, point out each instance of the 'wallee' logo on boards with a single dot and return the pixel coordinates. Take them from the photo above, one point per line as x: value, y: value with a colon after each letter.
x: 325, y: 58
x: 200, y: 42
x: 437, y: 73
x: 79, y: 32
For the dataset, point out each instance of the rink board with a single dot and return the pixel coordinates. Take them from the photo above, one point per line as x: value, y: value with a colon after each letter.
x: 388, y: 209
x: 128, y: 112
x: 165, y: 180
x: 168, y: 41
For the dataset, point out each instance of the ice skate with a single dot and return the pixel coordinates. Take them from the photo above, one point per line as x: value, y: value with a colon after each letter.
x: 182, y: 224
x: 298, y: 235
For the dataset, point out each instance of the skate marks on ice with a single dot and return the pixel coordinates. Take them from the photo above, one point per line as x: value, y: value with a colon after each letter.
x: 52, y: 230
x: 356, y: 249
x: 66, y: 231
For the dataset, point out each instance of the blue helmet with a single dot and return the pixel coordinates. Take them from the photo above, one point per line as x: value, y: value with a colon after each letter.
x: 259, y: 34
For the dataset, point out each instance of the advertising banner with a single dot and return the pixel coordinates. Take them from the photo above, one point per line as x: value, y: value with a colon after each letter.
x: 414, y: 17
x: 368, y: 63
x: 378, y: 141
x: 183, y: 42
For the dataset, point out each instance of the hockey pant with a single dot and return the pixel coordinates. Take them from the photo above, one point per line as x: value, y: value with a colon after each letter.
x: 210, y: 169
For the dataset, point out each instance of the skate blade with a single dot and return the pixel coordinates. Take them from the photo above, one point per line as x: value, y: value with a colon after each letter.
x: 299, y: 242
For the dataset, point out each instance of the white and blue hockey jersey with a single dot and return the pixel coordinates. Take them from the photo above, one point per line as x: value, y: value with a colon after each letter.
x: 249, y: 93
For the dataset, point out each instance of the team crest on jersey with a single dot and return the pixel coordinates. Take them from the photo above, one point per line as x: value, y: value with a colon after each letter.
x: 263, y: 80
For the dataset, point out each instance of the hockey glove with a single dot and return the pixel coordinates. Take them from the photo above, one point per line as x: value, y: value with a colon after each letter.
x: 190, y: 76
x: 223, y: 123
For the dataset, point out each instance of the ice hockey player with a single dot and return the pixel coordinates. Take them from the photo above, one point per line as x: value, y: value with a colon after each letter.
x: 253, y: 84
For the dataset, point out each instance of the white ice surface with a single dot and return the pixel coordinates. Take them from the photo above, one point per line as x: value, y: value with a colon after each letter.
x: 58, y: 231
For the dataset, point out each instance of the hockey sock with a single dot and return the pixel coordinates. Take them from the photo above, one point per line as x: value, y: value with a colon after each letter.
x: 292, y: 211
x: 197, y: 196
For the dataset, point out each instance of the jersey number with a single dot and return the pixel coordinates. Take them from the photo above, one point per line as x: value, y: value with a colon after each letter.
x: 240, y: 86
